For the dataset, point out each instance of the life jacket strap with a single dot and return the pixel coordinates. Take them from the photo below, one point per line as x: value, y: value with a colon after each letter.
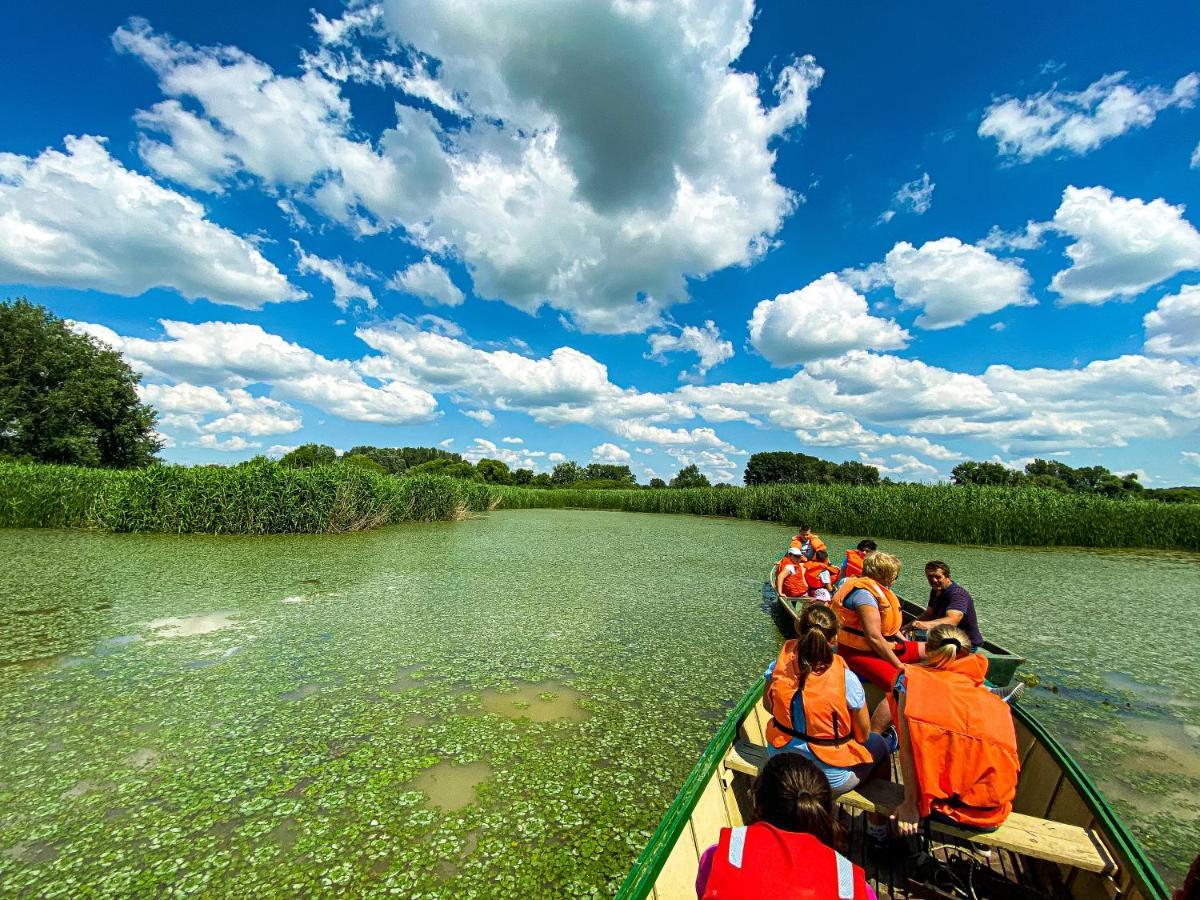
x: 808, y: 739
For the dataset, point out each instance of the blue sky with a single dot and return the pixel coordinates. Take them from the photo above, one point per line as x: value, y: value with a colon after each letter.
x: 654, y: 233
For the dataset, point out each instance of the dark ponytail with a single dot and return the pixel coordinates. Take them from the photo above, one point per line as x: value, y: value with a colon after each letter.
x: 815, y: 636
x: 792, y: 794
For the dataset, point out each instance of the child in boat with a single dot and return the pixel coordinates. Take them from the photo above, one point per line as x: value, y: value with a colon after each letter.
x: 807, y: 542
x: 819, y: 575
x: 789, y: 849
x: 852, y: 562
x: 819, y: 708
x: 958, y: 745
x: 789, y: 575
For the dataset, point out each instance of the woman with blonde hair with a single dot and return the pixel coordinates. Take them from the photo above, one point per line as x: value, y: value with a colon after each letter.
x: 818, y: 707
x: 870, y: 617
x: 958, y: 745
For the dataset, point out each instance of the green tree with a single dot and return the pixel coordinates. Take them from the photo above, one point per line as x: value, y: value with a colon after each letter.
x: 657, y: 483
x: 493, y: 471
x: 364, y: 462
x: 566, y: 473
x: 785, y: 467
x: 689, y: 477
x: 605, y: 472
x: 308, y: 455
x: 988, y: 473
x: 390, y: 458
x: 445, y: 465
x: 66, y: 397
x: 522, y: 476
x: 542, y: 480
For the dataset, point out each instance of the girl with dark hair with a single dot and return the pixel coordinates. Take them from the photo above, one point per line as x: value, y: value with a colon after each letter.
x: 789, y: 850
x: 818, y: 706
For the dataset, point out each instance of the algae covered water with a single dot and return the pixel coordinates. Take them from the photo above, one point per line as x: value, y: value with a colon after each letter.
x: 500, y: 707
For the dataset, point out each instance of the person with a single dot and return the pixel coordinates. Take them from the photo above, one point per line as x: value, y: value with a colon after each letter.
x: 819, y: 575
x: 870, y: 617
x: 789, y: 574
x: 958, y: 744
x: 788, y: 851
x: 819, y: 709
x: 949, y: 604
x: 807, y: 543
x: 852, y: 562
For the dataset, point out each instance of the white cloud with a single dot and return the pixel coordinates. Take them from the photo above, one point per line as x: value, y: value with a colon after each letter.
x: 1191, y: 457
x: 482, y: 448
x: 341, y: 277
x: 80, y: 219
x: 1029, y: 239
x: 1173, y: 326
x: 1079, y: 122
x: 823, y: 319
x: 512, y: 440
x: 447, y: 443
x: 574, y: 178
x: 705, y: 342
x: 277, y: 450
x: 1121, y: 246
x: 428, y: 281
x: 949, y: 281
x: 915, y: 196
x: 232, y: 444
x: 1194, y: 162
x: 482, y: 416
x: 610, y: 454
x: 713, y: 463
x: 902, y: 467
x: 556, y: 458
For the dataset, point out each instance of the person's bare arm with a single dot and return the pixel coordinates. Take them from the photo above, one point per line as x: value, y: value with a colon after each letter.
x: 779, y: 580
x: 925, y: 615
x: 868, y: 616
x: 952, y: 617
x: 860, y: 724
x: 906, y: 816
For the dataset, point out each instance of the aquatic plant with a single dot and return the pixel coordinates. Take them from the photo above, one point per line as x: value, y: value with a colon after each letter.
x: 1031, y: 517
x: 264, y: 498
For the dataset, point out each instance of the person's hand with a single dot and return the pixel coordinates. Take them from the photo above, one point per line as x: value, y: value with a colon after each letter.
x: 907, y: 818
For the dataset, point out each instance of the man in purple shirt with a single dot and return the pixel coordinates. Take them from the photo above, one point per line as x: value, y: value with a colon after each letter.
x: 949, y: 603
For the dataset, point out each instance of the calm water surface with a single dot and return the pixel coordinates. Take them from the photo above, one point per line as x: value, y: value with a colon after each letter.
x: 501, y: 707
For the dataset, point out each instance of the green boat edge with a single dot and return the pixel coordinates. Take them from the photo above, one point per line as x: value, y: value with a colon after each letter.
x: 640, y: 880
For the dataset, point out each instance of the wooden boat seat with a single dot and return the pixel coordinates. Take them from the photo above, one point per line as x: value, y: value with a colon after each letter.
x: 1027, y: 835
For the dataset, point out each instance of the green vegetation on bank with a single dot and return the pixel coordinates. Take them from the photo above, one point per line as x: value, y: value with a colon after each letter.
x: 935, y: 513
x: 257, y: 498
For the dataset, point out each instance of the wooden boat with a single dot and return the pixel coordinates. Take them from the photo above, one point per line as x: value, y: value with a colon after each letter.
x: 1061, y: 840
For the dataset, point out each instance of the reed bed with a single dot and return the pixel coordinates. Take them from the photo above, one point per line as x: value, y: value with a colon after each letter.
x: 945, y: 514
x: 257, y: 499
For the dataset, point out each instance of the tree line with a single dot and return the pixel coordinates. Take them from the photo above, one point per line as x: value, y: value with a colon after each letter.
x: 1058, y: 476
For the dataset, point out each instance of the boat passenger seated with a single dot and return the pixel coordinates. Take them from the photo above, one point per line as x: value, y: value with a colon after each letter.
x: 807, y: 542
x: 949, y: 604
x: 819, y: 575
x: 788, y: 851
x: 852, y: 562
x: 818, y: 707
x: 870, y: 617
x: 789, y: 575
x: 958, y: 745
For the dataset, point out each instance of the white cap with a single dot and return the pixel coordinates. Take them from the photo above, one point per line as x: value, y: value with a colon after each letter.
x: 796, y: 550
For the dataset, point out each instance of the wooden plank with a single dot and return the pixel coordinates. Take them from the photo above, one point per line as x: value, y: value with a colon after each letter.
x: 729, y: 796
x: 677, y: 880
x: 752, y: 728
x: 746, y: 758
x: 1025, y: 742
x: 709, y: 816
x: 1040, y: 776
x: 1068, y: 806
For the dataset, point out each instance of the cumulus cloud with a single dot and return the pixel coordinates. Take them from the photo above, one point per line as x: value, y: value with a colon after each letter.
x: 705, y: 342
x: 342, y: 278
x: 949, y: 281
x: 80, y: 219
x: 1079, y: 122
x: 481, y: 448
x: 574, y: 178
x: 1121, y: 246
x: 482, y: 416
x: 610, y: 454
x: 1191, y: 457
x: 232, y: 444
x: 512, y: 440
x: 1194, y: 162
x: 713, y: 463
x: 429, y: 282
x: 823, y: 319
x: 1173, y: 326
x: 915, y: 196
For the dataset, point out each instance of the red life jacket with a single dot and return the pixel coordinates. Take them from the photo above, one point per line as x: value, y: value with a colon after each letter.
x: 827, y: 729
x: 794, y: 584
x: 963, y: 741
x: 764, y: 861
x: 854, y: 563
x: 812, y: 574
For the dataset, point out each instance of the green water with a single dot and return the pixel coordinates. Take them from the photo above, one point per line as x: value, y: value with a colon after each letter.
x: 501, y: 707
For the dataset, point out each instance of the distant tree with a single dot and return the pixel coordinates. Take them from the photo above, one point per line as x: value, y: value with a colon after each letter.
x: 308, y: 455
x: 854, y: 472
x: 603, y: 472
x: 364, y: 462
x: 542, y: 480
x: 390, y: 458
x: 447, y: 466
x: 522, y: 476
x: 493, y: 471
x: 785, y: 467
x: 1173, y: 494
x: 689, y: 477
x: 67, y: 397
x: 415, y: 456
x: 986, y: 473
x: 566, y: 473
x: 657, y: 483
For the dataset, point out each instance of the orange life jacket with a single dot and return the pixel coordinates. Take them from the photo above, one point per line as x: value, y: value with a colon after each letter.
x: 794, y: 584
x: 815, y: 545
x: 854, y: 563
x: 963, y: 741
x: 891, y: 617
x: 826, y: 714
x: 760, y: 860
x: 812, y: 574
